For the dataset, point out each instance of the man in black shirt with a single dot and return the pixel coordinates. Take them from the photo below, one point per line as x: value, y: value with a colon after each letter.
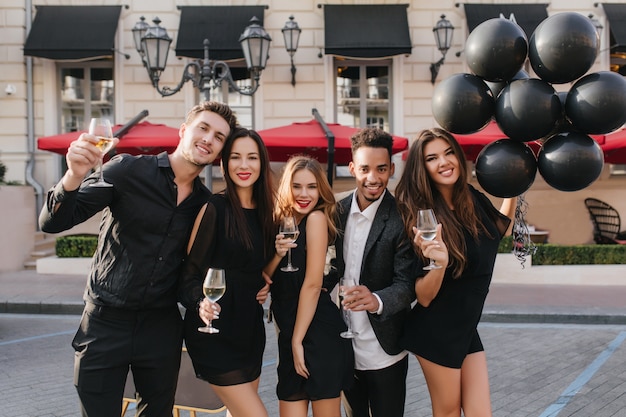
x: 131, y: 318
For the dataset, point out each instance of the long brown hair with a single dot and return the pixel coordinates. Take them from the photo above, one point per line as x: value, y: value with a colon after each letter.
x: 416, y: 190
x: 262, y: 193
x: 326, y: 203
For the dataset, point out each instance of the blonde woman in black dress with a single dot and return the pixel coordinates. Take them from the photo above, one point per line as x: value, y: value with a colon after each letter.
x: 235, y: 232
x: 315, y: 362
x: 442, y: 328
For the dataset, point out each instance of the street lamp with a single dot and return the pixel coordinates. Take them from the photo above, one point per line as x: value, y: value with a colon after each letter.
x: 443, y: 31
x: 152, y: 44
x: 291, y: 33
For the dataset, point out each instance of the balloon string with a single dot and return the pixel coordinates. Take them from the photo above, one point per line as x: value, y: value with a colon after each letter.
x: 523, y: 246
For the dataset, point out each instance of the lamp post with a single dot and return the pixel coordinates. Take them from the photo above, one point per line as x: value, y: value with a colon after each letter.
x: 291, y: 33
x: 153, y: 42
x: 443, y: 31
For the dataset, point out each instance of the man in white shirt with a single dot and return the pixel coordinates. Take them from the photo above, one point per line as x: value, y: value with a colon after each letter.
x: 375, y: 250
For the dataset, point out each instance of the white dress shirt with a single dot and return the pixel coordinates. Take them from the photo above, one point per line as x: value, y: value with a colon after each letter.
x: 368, y: 354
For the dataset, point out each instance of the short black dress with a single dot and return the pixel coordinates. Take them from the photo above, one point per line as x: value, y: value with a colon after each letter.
x: 235, y: 354
x: 445, y: 332
x: 328, y: 356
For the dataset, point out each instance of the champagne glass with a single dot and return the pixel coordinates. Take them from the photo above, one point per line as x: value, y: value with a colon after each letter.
x: 427, y: 225
x: 343, y: 284
x: 289, y: 228
x: 101, y: 129
x: 214, y: 286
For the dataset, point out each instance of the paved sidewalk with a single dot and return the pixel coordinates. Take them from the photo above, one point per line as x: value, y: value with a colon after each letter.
x: 533, y: 294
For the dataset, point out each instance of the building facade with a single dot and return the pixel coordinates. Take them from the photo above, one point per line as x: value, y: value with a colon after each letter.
x: 359, y: 63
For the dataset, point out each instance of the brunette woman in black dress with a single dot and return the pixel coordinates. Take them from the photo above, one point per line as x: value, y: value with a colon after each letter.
x: 234, y: 232
x: 442, y: 328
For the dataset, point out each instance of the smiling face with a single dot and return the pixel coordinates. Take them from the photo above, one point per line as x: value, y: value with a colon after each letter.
x: 372, y: 168
x: 441, y: 163
x: 244, y: 162
x: 202, y: 139
x: 304, y: 191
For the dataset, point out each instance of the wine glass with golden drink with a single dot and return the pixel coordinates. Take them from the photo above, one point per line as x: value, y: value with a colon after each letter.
x: 101, y: 129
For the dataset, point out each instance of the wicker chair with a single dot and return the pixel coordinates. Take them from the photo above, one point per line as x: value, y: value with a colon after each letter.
x: 606, y: 222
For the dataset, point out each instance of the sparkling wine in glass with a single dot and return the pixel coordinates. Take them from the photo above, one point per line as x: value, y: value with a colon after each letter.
x: 289, y: 229
x: 101, y: 129
x: 214, y: 287
x: 427, y: 225
x: 346, y: 283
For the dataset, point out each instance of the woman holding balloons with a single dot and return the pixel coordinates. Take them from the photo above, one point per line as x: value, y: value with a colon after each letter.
x: 442, y: 328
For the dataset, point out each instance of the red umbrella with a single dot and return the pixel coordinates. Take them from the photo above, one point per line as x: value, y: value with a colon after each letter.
x: 309, y: 138
x: 141, y: 138
x: 614, y: 147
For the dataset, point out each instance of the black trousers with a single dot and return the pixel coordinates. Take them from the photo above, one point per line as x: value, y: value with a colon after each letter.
x: 111, y: 341
x: 378, y: 393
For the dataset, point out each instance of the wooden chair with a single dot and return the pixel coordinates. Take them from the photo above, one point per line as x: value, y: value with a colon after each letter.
x: 192, y: 394
x: 606, y: 222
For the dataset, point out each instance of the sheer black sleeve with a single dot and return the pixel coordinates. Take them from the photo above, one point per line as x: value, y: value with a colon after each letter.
x: 198, y: 260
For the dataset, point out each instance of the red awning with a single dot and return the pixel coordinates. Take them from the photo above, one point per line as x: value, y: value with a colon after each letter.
x: 614, y: 147
x: 282, y: 142
x: 142, y: 138
x: 309, y: 138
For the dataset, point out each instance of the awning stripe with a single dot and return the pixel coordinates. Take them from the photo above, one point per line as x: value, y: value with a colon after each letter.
x: 527, y: 16
x: 73, y: 32
x: 616, y: 13
x: 366, y: 31
x: 221, y: 25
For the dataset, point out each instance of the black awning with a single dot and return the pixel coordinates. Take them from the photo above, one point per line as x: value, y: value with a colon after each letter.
x: 366, y: 31
x: 527, y: 16
x: 616, y: 13
x: 73, y: 32
x: 221, y: 25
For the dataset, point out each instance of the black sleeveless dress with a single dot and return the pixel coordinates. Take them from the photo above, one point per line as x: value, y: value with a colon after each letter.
x: 235, y: 354
x: 329, y: 357
x: 445, y: 332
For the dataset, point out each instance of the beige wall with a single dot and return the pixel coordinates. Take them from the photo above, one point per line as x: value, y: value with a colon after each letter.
x: 277, y: 101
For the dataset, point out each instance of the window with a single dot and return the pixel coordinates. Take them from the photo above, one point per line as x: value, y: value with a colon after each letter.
x: 362, y: 93
x: 87, y: 90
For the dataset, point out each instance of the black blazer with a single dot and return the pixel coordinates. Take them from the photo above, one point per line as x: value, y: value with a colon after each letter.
x: 388, y: 269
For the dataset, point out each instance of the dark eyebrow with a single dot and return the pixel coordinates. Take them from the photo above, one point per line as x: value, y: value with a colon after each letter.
x: 449, y: 148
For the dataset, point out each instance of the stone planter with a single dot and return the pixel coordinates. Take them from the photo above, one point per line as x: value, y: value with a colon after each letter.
x: 17, y: 223
x: 509, y: 270
x: 67, y: 266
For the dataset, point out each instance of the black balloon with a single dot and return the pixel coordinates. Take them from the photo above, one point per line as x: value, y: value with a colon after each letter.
x: 570, y: 161
x: 528, y: 109
x: 497, y: 86
x: 506, y: 168
x: 462, y: 104
x: 563, y: 47
x: 596, y: 104
x: 496, y: 49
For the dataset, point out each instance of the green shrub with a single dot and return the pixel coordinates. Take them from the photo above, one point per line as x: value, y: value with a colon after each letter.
x: 76, y: 246
x: 553, y: 254
x: 3, y: 172
x: 506, y: 244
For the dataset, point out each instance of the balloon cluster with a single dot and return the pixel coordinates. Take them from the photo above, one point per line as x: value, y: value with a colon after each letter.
x: 561, y: 50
